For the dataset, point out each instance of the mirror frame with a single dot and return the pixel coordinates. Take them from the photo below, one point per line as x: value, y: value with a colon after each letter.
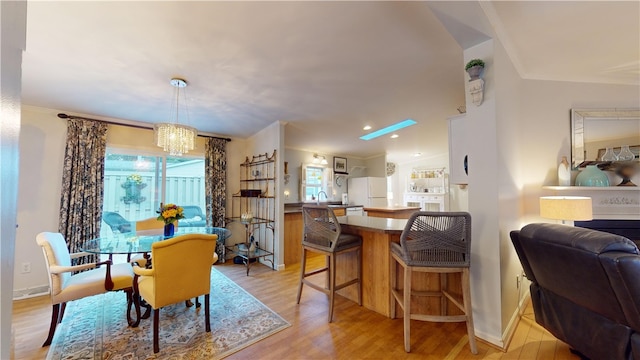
x: 578, y: 117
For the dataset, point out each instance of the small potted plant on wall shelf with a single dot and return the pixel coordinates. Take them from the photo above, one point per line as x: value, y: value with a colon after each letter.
x: 474, y: 68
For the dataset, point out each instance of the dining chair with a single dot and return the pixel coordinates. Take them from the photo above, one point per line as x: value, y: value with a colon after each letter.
x: 116, y: 222
x: 181, y: 271
x: 90, y: 279
x: 434, y: 242
x: 147, y: 225
x: 322, y: 234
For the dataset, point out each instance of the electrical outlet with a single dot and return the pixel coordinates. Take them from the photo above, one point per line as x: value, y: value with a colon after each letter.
x: 26, y: 267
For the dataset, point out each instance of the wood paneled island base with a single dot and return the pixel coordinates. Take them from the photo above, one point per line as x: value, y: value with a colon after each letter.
x: 377, y: 235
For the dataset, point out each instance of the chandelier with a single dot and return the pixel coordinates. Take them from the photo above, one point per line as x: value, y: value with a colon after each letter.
x: 172, y: 137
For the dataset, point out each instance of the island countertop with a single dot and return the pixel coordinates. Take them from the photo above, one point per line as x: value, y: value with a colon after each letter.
x: 396, y: 212
x: 391, y: 208
x: 372, y: 224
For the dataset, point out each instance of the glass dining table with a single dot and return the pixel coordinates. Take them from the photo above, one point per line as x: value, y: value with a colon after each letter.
x: 140, y: 242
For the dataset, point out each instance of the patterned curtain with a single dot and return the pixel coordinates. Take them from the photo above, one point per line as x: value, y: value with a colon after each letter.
x: 82, y: 183
x: 215, y: 188
x: 215, y: 176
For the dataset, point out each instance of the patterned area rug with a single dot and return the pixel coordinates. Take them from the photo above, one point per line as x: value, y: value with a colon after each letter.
x: 96, y: 327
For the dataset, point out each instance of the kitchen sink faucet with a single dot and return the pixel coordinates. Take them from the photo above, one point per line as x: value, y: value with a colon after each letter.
x: 318, y: 197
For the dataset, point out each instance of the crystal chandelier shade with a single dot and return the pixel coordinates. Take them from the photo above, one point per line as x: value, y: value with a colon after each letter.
x: 172, y: 137
x: 175, y: 139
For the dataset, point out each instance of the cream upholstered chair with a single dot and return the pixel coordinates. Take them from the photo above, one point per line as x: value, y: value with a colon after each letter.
x: 322, y: 234
x: 437, y: 242
x: 66, y: 286
x: 181, y: 271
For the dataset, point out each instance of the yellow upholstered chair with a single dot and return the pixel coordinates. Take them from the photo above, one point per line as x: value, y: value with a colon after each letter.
x: 66, y: 286
x: 181, y: 271
x: 150, y: 224
x: 434, y: 242
x: 147, y: 225
x: 322, y: 234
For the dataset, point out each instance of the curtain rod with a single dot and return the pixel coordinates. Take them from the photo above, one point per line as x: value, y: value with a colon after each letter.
x: 65, y: 116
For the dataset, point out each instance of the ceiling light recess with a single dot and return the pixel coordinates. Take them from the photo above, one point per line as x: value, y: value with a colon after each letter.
x: 172, y: 137
x: 388, y: 129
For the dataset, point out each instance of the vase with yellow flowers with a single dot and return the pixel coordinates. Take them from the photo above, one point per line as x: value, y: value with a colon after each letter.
x: 169, y: 214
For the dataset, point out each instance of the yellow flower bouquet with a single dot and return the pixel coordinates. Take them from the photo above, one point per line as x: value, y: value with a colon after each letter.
x: 170, y: 213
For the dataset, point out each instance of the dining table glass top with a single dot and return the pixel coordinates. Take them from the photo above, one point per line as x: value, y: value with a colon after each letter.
x: 141, y: 241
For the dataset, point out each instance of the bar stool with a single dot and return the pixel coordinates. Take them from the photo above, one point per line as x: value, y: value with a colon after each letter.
x: 322, y: 234
x: 437, y: 242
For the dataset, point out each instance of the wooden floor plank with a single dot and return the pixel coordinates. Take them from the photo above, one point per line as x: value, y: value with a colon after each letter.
x: 356, y: 333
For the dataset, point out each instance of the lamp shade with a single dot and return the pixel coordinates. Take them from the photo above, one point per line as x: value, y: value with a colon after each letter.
x: 566, y: 208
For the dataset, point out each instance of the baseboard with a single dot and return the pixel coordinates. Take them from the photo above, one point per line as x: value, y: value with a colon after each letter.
x: 30, y: 292
x: 507, y: 336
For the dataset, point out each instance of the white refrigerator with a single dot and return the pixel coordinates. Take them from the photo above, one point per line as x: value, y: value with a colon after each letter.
x: 367, y: 191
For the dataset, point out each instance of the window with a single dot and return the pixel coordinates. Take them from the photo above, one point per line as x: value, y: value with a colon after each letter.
x: 316, y: 178
x: 135, y: 185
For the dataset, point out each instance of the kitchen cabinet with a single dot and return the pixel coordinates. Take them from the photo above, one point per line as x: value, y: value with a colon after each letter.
x: 292, y: 237
x: 427, y: 189
x: 458, y: 150
x: 427, y: 202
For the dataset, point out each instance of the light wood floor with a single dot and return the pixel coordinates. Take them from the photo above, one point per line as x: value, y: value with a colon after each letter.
x: 356, y: 333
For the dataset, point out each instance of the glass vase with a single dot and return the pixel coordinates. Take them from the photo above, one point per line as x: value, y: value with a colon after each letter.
x: 625, y: 154
x: 609, y: 155
x: 592, y: 176
x: 169, y: 229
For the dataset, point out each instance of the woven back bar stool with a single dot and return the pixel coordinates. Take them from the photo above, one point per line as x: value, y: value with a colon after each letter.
x: 322, y: 234
x: 437, y: 242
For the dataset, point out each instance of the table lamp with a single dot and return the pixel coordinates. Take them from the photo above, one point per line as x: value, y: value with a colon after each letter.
x: 566, y: 208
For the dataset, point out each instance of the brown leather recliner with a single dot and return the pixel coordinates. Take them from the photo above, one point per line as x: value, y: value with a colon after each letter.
x: 585, y: 287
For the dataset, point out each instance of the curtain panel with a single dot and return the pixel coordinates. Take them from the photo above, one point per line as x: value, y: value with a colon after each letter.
x: 215, y: 170
x: 215, y: 175
x: 82, y: 183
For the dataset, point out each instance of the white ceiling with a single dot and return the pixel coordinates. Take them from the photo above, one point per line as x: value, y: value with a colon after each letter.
x: 325, y: 68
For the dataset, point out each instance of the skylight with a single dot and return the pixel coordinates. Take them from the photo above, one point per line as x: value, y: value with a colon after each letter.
x: 388, y: 129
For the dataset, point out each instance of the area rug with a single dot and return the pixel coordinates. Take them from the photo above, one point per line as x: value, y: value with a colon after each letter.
x: 96, y: 327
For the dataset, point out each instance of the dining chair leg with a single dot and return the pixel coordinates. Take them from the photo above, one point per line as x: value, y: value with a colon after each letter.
x: 303, y: 263
x: 332, y: 284
x: 63, y: 307
x: 207, y: 317
x: 156, y: 316
x: 407, y: 308
x: 132, y: 303
x: 55, y: 311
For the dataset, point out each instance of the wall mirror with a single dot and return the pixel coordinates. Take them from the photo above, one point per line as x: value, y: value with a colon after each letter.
x: 593, y: 130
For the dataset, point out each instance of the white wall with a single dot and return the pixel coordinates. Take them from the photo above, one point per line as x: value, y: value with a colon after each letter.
x: 13, y: 33
x: 484, y: 200
x: 508, y: 98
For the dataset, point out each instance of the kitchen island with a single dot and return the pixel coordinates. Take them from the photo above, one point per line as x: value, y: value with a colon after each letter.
x: 377, y: 235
